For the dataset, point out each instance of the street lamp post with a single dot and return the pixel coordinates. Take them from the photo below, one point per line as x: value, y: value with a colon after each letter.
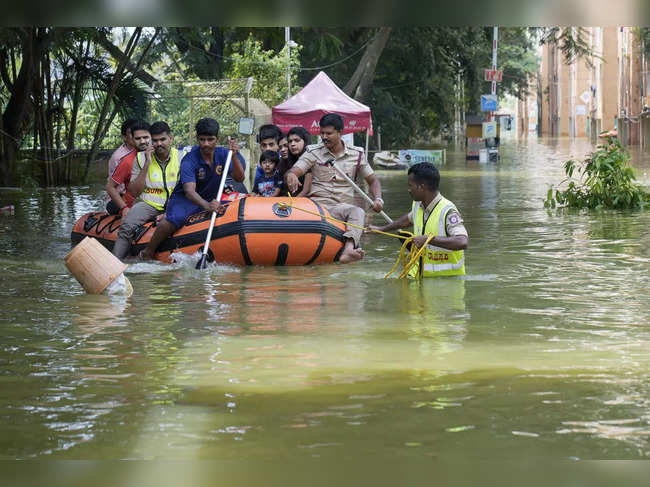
x: 289, y: 43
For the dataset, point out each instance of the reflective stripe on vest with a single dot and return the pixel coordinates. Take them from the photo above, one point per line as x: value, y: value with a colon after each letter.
x: 159, y: 184
x: 437, y: 261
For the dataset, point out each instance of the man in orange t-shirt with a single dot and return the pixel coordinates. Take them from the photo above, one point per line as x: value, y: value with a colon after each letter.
x: 120, y: 203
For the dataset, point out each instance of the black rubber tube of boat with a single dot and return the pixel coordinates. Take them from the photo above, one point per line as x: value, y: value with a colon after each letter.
x: 204, y: 256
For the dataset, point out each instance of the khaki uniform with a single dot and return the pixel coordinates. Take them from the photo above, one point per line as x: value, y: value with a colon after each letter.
x: 328, y: 186
x: 329, y: 189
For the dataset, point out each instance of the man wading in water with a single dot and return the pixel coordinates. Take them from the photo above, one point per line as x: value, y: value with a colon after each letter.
x: 433, y: 214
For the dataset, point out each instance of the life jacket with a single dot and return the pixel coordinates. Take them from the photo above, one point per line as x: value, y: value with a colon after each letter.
x: 159, y: 184
x: 436, y: 261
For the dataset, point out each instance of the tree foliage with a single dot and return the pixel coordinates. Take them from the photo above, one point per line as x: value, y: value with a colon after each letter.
x: 55, y: 81
x: 60, y: 92
x: 572, y: 41
x: 267, y: 67
x: 605, y: 180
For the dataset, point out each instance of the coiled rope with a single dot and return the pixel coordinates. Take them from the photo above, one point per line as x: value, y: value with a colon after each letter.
x: 409, y: 255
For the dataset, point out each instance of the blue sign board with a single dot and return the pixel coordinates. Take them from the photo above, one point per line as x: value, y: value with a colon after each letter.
x: 489, y: 103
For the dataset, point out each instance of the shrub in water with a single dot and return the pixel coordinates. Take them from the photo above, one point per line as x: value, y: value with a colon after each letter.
x: 605, y: 181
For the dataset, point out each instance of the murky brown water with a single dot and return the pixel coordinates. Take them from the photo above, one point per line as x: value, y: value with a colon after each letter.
x: 542, y: 351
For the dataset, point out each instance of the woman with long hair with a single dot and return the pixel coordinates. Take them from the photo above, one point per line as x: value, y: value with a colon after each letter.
x: 298, y: 140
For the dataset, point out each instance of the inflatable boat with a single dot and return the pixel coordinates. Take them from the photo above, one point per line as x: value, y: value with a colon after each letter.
x: 249, y: 231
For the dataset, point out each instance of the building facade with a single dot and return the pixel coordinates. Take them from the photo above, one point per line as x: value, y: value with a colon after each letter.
x: 583, y: 99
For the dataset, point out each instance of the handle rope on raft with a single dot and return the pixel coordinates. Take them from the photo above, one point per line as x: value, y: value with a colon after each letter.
x: 408, y: 259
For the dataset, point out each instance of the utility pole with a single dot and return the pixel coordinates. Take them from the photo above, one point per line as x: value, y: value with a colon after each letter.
x: 287, y: 41
x: 495, y: 39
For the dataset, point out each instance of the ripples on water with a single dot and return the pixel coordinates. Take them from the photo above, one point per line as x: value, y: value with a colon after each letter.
x: 541, y: 350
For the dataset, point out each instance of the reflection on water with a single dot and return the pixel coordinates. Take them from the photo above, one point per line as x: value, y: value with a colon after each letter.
x: 540, y: 350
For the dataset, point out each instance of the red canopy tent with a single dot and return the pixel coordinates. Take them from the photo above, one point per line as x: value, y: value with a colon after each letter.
x: 319, y: 97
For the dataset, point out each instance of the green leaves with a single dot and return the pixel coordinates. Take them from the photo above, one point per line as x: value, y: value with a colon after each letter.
x: 607, y: 182
x: 268, y: 67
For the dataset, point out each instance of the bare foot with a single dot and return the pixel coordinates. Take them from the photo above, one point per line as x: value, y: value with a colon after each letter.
x: 351, y: 255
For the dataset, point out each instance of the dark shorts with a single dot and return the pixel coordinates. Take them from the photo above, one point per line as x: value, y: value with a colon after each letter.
x: 179, y: 208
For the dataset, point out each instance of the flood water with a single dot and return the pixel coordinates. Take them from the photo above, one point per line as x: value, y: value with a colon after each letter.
x: 542, y: 351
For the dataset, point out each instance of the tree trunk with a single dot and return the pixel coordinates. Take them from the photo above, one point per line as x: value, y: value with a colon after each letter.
x: 359, y: 85
x: 104, y: 121
x: 77, y: 93
x: 215, y: 50
x: 125, y: 58
x: 46, y: 114
x: 19, y: 108
x: 101, y: 128
x: 19, y: 105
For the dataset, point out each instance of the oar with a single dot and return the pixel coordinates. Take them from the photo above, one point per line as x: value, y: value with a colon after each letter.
x: 357, y: 189
x: 204, y: 256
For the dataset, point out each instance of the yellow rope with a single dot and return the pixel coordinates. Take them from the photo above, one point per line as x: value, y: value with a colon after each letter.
x: 407, y: 260
x: 411, y: 259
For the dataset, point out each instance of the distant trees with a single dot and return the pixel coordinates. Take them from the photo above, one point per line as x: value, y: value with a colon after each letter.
x: 63, y: 88
x: 59, y: 85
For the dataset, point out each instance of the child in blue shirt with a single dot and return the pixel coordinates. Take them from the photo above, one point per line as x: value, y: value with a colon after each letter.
x: 268, y: 183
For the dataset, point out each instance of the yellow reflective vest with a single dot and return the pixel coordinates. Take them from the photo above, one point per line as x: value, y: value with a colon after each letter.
x: 159, y: 184
x: 436, y: 261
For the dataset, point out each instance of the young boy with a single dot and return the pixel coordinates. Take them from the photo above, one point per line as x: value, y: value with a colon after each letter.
x: 268, y: 183
x: 269, y: 139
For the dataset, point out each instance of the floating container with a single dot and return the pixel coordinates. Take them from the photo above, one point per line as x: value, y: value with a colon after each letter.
x: 93, y: 265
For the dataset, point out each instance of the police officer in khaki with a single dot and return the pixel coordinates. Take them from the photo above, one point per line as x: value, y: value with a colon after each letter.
x: 329, y: 189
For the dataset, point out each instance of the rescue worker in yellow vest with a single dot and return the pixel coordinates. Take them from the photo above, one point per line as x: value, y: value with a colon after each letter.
x: 433, y: 214
x: 153, y: 178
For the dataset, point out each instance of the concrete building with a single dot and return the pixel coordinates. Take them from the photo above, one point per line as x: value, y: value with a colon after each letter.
x: 607, y: 92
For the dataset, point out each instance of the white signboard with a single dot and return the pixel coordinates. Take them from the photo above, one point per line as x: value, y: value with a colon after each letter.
x: 348, y: 139
x: 585, y: 97
x: 415, y: 156
x: 246, y: 125
x: 581, y: 109
x: 489, y: 129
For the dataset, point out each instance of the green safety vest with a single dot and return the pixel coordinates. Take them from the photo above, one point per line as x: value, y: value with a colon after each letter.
x: 436, y: 261
x: 159, y: 184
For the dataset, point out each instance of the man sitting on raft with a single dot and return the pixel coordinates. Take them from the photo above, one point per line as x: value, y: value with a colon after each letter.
x: 200, y: 176
x: 153, y: 177
x: 329, y: 188
x: 121, y: 200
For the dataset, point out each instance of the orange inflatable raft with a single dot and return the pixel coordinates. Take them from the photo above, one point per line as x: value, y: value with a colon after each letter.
x: 251, y: 231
